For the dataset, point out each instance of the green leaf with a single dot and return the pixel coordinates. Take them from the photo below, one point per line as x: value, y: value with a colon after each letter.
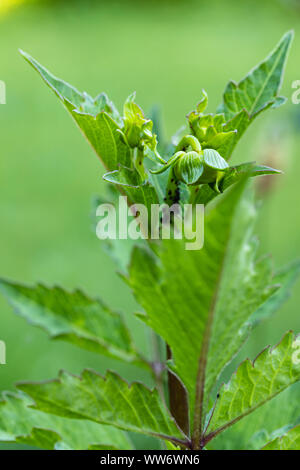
x: 105, y: 400
x: 103, y: 127
x: 254, y: 384
x: 103, y: 134
x: 260, y: 87
x: 214, y: 160
x: 73, y: 317
x: 243, y: 101
x: 263, y: 425
x: 190, y: 295
x: 289, y: 441
x: 97, y: 118
x: 21, y: 424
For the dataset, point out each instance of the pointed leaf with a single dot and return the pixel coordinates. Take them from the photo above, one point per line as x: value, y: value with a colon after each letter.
x: 260, y: 87
x: 103, y: 134
x: 273, y: 419
x: 233, y: 175
x: 105, y: 400
x: 97, y: 118
x: 21, y: 424
x: 202, y: 105
x: 73, y: 317
x: 243, y: 101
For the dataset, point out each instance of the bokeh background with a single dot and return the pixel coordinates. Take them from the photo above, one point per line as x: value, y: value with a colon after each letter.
x: 167, y: 51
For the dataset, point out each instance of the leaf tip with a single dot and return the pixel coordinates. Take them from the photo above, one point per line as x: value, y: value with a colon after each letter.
x: 24, y: 54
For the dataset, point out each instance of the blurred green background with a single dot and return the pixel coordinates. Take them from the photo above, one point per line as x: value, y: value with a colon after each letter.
x: 167, y: 51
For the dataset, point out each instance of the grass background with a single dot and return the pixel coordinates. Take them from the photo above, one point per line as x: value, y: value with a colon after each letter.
x: 167, y: 52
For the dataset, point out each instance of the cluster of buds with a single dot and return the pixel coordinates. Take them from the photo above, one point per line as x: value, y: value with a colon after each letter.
x: 190, y: 164
x: 137, y: 134
x: 193, y: 166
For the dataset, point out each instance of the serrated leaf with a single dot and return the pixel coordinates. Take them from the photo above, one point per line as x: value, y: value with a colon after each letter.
x: 73, y: 317
x: 184, y: 291
x: 289, y: 441
x: 96, y: 117
x: 254, y: 384
x: 102, y: 125
x: 260, y: 87
x: 103, y: 134
x: 105, y: 400
x: 21, y: 424
x: 243, y: 101
x: 273, y: 419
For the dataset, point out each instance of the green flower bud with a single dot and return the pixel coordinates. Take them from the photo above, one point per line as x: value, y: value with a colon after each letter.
x: 135, y: 123
x: 193, y: 166
x: 189, y: 168
x: 199, y: 168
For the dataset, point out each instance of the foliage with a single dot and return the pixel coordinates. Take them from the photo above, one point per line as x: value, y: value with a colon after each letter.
x: 204, y: 304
